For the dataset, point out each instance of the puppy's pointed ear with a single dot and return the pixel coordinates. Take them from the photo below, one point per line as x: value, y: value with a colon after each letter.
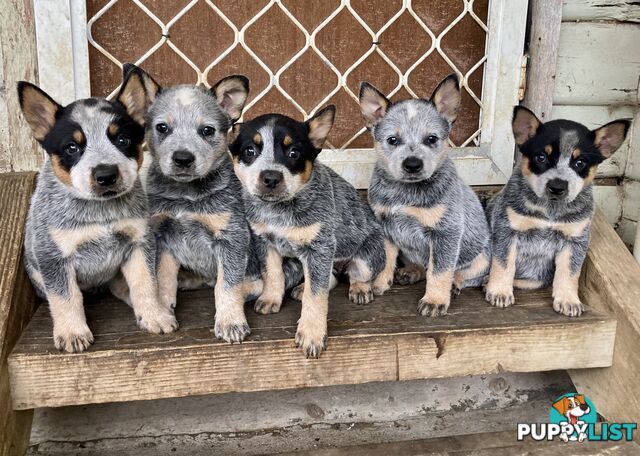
x: 562, y: 406
x: 320, y: 125
x: 610, y: 137
x: 446, y: 97
x: 231, y: 93
x: 138, y: 91
x: 39, y: 109
x: 525, y: 124
x: 373, y: 104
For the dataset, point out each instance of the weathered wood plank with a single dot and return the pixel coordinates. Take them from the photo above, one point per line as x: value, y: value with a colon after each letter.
x: 609, y: 283
x: 600, y: 10
x: 18, y: 150
x: 544, y: 37
x: 490, y: 443
x: 598, y: 64
x: 386, y: 340
x: 17, y: 302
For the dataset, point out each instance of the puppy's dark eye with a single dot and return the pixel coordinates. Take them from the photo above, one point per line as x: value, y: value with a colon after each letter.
x: 123, y: 140
x: 207, y: 130
x: 293, y: 154
x: 249, y: 151
x: 579, y: 164
x: 392, y: 140
x: 431, y: 139
x: 162, y: 127
x: 71, y: 149
x: 541, y: 157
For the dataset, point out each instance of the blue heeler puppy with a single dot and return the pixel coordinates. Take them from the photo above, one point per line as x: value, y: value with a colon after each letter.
x: 433, y: 219
x: 304, y: 210
x: 88, y: 220
x: 196, y: 200
x: 541, y: 219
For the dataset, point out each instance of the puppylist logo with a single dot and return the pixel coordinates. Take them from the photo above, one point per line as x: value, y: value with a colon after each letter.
x: 572, y: 418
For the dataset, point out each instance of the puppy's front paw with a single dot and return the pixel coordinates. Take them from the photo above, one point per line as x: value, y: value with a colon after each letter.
x: 430, y: 309
x: 297, y: 291
x: 360, y: 293
x: 499, y: 297
x: 266, y: 305
x: 568, y: 308
x: 408, y: 275
x: 231, y: 331
x: 162, y: 321
x: 73, y: 340
x: 312, y: 339
x: 379, y: 288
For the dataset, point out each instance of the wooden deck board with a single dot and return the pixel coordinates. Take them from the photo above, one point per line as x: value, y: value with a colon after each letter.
x: 386, y: 340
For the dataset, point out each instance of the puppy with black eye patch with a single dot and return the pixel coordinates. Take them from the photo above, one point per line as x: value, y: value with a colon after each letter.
x: 432, y: 219
x: 302, y: 209
x: 196, y: 200
x: 541, y: 219
x: 88, y: 221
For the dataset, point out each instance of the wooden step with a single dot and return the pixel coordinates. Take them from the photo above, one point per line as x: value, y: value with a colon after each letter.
x: 385, y: 340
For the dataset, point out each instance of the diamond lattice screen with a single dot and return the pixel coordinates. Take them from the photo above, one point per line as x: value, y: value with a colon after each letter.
x: 300, y: 55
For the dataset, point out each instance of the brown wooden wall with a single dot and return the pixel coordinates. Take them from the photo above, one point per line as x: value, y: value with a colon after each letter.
x: 127, y: 32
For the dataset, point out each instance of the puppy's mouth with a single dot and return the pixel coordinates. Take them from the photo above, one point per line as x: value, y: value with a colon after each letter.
x: 110, y: 193
x: 182, y: 177
x: 272, y: 197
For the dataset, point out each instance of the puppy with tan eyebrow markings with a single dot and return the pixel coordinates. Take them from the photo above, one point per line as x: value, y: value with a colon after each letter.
x: 432, y: 218
x: 541, y: 219
x: 196, y: 200
x: 88, y: 221
x: 302, y: 209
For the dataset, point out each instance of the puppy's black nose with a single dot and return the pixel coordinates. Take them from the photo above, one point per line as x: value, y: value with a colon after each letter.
x: 584, y: 407
x: 271, y: 179
x: 105, y: 175
x: 412, y: 165
x: 557, y: 187
x: 183, y: 158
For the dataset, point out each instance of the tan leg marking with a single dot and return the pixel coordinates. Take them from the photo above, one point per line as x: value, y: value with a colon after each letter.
x: 168, y: 270
x: 360, y: 277
x: 215, y: 223
x: 70, y: 330
x: 152, y: 316
x: 68, y: 241
x: 437, y: 297
x: 230, y: 321
x: 273, y: 279
x: 525, y: 284
x: 521, y: 222
x: 409, y: 274
x: 385, y: 279
x: 311, y: 334
x: 119, y: 288
x: 565, y: 286
x: 252, y: 288
x: 427, y: 216
x: 499, y: 289
x: 477, y: 268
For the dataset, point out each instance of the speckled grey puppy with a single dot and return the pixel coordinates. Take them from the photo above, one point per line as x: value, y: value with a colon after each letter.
x: 541, y: 219
x: 434, y: 220
x: 304, y: 210
x: 88, y: 220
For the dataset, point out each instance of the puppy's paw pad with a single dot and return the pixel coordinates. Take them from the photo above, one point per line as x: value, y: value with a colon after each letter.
x: 266, y: 306
x: 429, y: 309
x: 163, y: 322
x: 407, y: 276
x: 73, y: 342
x: 297, y: 291
x: 360, y: 294
x: 232, y: 332
x: 501, y: 300
x: 570, y: 309
x: 312, y: 347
